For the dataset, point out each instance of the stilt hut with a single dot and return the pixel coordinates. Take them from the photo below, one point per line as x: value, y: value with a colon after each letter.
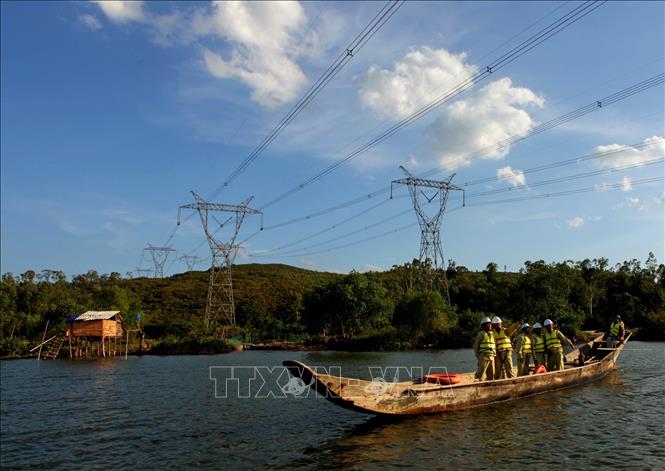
x: 95, y: 328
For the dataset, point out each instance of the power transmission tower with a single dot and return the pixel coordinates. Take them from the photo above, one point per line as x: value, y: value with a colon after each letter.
x: 143, y: 271
x: 159, y: 256
x: 220, y: 303
x: 190, y: 261
x: 430, y: 226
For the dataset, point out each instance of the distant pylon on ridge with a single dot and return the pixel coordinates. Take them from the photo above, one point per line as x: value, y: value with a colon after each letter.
x: 430, y: 226
x: 159, y: 257
x: 191, y: 261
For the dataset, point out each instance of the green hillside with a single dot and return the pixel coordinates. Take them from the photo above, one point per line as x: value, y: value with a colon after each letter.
x: 404, y: 307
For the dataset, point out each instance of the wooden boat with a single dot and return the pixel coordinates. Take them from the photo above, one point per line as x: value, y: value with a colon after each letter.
x: 421, y: 397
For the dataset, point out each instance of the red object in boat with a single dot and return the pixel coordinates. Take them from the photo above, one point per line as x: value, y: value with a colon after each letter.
x: 443, y: 378
x: 540, y: 369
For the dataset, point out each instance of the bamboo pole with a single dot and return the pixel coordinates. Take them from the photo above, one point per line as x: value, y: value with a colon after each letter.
x: 39, y: 355
x: 69, y: 337
x: 45, y: 342
x: 126, y: 344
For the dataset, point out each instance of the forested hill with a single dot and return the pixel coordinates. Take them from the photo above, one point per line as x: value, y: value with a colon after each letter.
x: 405, y: 306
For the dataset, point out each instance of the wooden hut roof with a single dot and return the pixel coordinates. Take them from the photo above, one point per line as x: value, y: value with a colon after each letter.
x: 97, y: 315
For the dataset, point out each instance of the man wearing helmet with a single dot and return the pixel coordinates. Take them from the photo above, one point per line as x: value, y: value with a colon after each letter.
x: 503, y: 362
x: 616, y: 333
x: 538, y: 342
x: 554, y: 341
x: 485, y: 349
x: 524, y: 350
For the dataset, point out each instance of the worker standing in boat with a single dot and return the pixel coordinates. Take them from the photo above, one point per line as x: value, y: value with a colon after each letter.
x: 503, y: 363
x: 485, y: 349
x: 616, y: 333
x: 524, y: 350
x: 538, y: 345
x: 554, y: 341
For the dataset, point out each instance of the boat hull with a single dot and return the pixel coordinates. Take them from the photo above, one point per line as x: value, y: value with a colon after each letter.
x: 413, y: 398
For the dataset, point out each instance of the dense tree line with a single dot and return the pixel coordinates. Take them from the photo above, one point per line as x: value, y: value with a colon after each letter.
x: 401, y: 308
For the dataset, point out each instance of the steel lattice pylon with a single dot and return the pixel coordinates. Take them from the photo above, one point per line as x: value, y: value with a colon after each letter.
x: 220, y: 303
x: 430, y: 226
x: 190, y: 261
x: 159, y: 256
x: 143, y: 271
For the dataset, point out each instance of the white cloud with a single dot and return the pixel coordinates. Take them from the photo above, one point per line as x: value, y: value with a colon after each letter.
x: 632, y: 202
x: 478, y: 127
x: 264, y: 40
x: 575, y: 223
x: 90, y: 21
x: 415, y: 80
x: 122, y: 11
x: 514, y: 177
x: 626, y: 184
x: 267, y: 38
x: 621, y: 155
x: 659, y: 200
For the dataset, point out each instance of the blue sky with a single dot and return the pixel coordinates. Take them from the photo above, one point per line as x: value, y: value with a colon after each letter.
x: 113, y: 112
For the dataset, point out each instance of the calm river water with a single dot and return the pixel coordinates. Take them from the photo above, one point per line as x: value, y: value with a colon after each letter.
x: 161, y: 413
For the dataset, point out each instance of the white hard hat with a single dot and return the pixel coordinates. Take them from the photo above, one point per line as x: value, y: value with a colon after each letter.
x: 537, y: 325
x: 486, y: 320
x: 496, y: 320
x: 525, y: 325
x: 547, y: 322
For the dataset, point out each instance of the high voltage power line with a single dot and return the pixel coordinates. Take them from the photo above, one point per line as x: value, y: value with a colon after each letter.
x: 388, y: 10
x: 596, y: 105
x: 468, y: 196
x: 527, y: 45
x: 485, y: 203
x: 533, y: 41
x: 380, y: 19
x: 565, y: 118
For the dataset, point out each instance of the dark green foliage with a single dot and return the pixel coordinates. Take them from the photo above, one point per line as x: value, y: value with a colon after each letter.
x: 423, y: 317
x: 187, y: 346
x: 653, y: 327
x: 352, y: 306
x: 402, y: 308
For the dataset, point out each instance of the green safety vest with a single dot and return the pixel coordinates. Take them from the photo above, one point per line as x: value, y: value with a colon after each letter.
x: 538, y: 344
x: 503, y: 341
x: 552, y: 341
x: 526, y: 344
x: 487, y: 345
x: 615, y: 328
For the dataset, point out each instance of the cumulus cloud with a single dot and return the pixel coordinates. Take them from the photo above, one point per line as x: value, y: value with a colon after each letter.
x: 626, y: 184
x: 514, y: 177
x: 575, y: 223
x: 651, y: 148
x: 659, y: 200
x: 265, y: 39
x: 480, y: 126
x: 120, y: 11
x: 415, y: 80
x: 90, y: 21
x: 632, y: 202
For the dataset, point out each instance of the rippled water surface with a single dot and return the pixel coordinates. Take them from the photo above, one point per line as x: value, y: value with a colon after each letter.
x: 161, y: 412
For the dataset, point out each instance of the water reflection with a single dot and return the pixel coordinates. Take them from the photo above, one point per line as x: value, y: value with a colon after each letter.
x: 161, y: 412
